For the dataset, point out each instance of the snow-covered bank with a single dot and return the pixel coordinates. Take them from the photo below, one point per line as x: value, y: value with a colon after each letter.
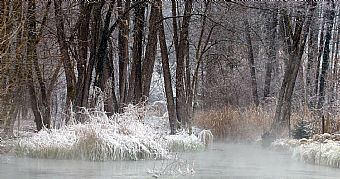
x: 127, y: 136
x: 320, y: 150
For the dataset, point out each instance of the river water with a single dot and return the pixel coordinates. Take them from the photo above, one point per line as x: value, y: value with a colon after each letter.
x: 222, y: 160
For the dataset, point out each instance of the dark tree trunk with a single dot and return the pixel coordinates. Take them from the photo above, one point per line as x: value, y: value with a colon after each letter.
x: 135, y: 85
x: 83, y: 33
x: 43, y: 113
x: 101, y: 66
x: 123, y: 48
x: 181, y: 103
x: 65, y: 57
x: 151, y: 47
x: 113, y: 100
x: 251, y: 62
x: 167, y: 75
x: 296, y: 42
x: 175, y: 25
x: 95, y: 41
x: 329, y: 15
x: 271, y: 54
x: 104, y: 67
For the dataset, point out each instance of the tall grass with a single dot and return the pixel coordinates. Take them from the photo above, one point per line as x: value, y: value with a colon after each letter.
x: 235, y: 123
x: 248, y: 124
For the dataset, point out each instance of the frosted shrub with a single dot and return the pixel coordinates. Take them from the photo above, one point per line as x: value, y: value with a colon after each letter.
x: 206, y: 137
x: 127, y: 136
x: 182, y: 143
x: 319, y: 150
x: 319, y: 153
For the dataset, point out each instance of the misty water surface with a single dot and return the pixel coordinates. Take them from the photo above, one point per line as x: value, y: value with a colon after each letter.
x: 221, y: 161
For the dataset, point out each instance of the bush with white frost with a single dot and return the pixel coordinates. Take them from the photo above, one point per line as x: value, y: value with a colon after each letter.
x: 327, y: 154
x: 127, y: 136
x: 323, y: 149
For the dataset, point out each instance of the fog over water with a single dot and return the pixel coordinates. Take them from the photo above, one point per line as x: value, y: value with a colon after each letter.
x: 222, y: 160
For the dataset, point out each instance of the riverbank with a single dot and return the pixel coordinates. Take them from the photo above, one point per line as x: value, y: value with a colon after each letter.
x: 320, y: 150
x: 133, y: 135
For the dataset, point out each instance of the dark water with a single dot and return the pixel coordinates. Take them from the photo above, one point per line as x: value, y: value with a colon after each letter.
x: 221, y: 161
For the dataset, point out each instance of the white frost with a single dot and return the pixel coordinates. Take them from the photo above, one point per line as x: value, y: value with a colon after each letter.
x: 321, y: 150
x: 133, y: 135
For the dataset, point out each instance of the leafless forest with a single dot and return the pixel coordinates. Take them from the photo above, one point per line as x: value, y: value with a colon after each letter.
x: 224, y: 65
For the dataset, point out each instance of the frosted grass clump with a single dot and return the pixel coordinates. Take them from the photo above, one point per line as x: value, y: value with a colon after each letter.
x: 327, y: 153
x: 206, y: 137
x: 284, y: 144
x: 89, y: 142
x: 127, y: 136
x: 183, y: 143
x: 319, y: 150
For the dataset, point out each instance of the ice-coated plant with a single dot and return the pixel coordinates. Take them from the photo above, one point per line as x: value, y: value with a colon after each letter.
x: 206, y: 137
x: 126, y: 136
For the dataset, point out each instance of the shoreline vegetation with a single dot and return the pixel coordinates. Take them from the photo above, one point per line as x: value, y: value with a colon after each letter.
x: 136, y: 135
x: 321, y: 149
x: 126, y: 136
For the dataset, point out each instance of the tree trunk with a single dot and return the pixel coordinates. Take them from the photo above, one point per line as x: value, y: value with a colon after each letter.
x: 329, y: 15
x: 123, y: 51
x: 65, y: 57
x: 83, y: 33
x: 321, y: 50
x: 251, y: 62
x: 167, y: 75
x: 175, y: 26
x: 296, y: 43
x: 271, y: 54
x: 181, y: 103
x: 95, y: 41
x: 43, y: 113
x: 101, y: 66
x: 151, y: 47
x: 135, y: 85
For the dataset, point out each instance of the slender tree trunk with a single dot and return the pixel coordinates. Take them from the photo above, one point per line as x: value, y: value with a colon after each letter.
x: 135, y: 86
x: 95, y: 41
x: 319, y: 61
x: 151, y: 47
x: 44, y: 116
x: 167, y: 74
x: 123, y: 48
x: 251, y: 62
x: 271, y: 54
x: 101, y: 66
x: 65, y: 57
x: 175, y: 26
x: 336, y: 71
x: 312, y: 58
x: 181, y: 103
x: 330, y: 14
x: 82, y: 64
